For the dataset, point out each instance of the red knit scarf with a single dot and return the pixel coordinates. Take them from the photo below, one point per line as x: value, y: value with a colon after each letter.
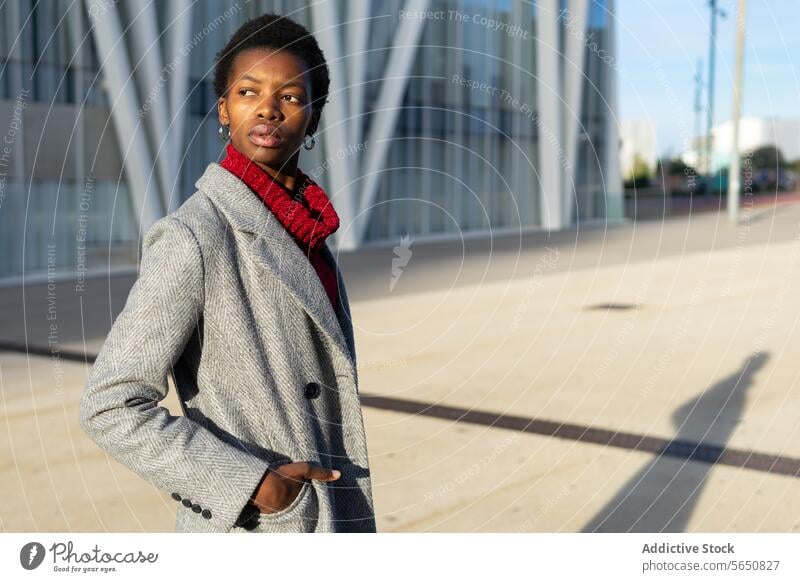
x: 309, y: 221
x: 307, y: 214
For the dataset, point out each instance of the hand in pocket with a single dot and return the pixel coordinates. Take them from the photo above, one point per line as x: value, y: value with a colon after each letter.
x: 281, y: 486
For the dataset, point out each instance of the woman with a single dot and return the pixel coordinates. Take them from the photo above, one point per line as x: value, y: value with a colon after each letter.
x: 239, y: 297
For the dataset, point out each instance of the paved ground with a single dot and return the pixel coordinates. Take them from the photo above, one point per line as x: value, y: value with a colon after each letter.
x: 514, y: 384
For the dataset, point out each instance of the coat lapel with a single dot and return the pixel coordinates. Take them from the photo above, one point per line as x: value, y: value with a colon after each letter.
x: 275, y: 250
x: 343, y: 308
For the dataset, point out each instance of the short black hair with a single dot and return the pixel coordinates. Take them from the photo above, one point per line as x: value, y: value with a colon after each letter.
x: 277, y: 32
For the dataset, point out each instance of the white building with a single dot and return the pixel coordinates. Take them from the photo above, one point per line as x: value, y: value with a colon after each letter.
x: 638, y: 139
x: 754, y: 132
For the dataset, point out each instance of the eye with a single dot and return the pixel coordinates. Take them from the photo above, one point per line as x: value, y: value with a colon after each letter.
x: 299, y: 100
x: 245, y: 90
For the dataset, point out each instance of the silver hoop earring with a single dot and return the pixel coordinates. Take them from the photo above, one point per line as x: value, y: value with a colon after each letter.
x: 313, y: 142
x: 224, y: 132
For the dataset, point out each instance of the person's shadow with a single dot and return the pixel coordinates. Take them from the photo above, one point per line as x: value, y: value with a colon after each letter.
x: 663, y: 494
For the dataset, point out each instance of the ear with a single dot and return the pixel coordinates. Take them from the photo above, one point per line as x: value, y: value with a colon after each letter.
x: 222, y: 111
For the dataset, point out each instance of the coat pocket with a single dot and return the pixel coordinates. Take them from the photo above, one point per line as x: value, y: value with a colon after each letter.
x: 300, y: 516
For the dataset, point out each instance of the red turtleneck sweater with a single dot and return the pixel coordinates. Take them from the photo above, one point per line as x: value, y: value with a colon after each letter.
x: 306, y: 213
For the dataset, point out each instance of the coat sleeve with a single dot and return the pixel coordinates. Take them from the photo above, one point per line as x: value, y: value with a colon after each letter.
x: 119, y: 407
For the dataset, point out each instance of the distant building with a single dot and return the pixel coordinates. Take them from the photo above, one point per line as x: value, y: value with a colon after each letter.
x: 754, y: 132
x: 638, y: 140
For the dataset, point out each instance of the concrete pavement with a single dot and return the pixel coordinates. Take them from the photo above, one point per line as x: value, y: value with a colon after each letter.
x: 681, y: 329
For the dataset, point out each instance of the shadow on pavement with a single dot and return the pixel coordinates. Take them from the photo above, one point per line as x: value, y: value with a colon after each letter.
x: 662, y: 495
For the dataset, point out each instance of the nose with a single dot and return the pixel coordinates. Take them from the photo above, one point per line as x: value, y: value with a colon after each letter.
x: 268, y: 108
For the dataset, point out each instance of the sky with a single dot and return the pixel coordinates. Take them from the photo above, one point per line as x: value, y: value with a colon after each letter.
x: 660, y: 41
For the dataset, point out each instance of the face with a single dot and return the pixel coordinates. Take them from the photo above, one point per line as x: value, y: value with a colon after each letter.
x: 268, y: 108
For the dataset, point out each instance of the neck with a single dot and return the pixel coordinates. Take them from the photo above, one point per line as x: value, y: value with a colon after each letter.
x: 286, y: 175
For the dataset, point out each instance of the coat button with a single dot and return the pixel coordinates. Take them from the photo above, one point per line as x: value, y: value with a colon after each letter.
x: 176, y: 497
x: 196, y: 508
x: 206, y: 513
x: 186, y: 503
x: 312, y: 390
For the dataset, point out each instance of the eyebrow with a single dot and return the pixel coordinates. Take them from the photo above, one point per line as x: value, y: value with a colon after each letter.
x: 290, y: 83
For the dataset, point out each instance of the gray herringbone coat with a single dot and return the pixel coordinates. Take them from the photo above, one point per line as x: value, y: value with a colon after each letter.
x: 265, y: 370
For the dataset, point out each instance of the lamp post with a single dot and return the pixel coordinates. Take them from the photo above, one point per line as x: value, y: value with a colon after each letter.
x: 712, y: 46
x: 734, y: 181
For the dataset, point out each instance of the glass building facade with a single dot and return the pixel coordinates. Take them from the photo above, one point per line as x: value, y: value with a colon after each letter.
x: 464, y: 139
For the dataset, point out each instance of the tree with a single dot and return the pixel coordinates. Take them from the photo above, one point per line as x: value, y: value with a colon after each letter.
x: 639, y: 173
x: 766, y: 157
x: 674, y: 167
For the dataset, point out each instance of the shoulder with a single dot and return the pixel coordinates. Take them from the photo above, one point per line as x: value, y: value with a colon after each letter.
x: 172, y: 262
x: 202, y: 218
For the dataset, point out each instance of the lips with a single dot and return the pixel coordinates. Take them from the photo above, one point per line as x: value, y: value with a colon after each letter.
x: 265, y: 136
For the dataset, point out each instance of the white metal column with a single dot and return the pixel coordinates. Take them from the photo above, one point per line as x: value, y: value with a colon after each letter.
x: 149, y: 67
x: 178, y: 31
x: 336, y: 135
x: 356, y: 43
x: 133, y: 146
x: 614, y: 191
x: 386, y: 110
x: 574, y: 79
x: 550, y: 139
